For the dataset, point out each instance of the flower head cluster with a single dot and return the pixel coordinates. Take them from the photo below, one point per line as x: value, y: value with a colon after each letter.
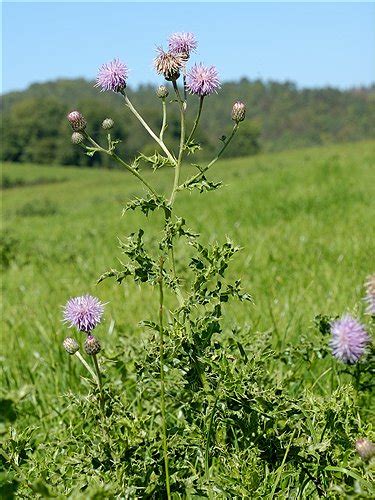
x: 370, y: 295
x: 84, y: 312
x: 202, y: 80
x: 349, y: 339
x: 112, y: 76
x: 77, y: 121
x: 168, y: 64
x: 183, y: 44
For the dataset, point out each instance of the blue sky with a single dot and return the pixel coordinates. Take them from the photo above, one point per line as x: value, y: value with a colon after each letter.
x: 313, y: 44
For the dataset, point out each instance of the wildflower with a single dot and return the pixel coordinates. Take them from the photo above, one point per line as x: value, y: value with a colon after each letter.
x: 370, y: 295
x: 92, y: 345
x: 77, y: 138
x: 77, y: 121
x: 162, y: 92
x: 238, y: 111
x: 183, y: 44
x: 108, y: 123
x: 70, y: 345
x: 168, y: 65
x: 83, y: 312
x: 349, y: 339
x: 112, y: 76
x: 365, y: 449
x: 202, y: 80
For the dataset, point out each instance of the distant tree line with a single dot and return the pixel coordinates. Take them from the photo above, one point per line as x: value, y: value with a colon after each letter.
x: 280, y: 116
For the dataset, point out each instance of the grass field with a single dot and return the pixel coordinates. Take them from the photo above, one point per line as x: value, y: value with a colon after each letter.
x: 304, y: 219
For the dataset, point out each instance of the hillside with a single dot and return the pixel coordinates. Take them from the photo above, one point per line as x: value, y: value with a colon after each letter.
x: 280, y: 116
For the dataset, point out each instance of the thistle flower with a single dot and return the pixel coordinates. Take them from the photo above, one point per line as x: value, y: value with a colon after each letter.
x: 92, y: 345
x: 349, y: 339
x: 168, y: 64
x: 162, y: 92
x: 77, y: 121
x: 238, y: 111
x: 70, y: 345
x: 370, y: 295
x: 77, y: 137
x: 108, y: 123
x: 112, y: 76
x: 183, y: 44
x: 83, y: 312
x: 202, y: 80
x: 365, y: 448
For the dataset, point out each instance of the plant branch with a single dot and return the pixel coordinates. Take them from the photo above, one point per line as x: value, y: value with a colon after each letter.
x: 181, y: 148
x: 164, y: 124
x: 197, y: 118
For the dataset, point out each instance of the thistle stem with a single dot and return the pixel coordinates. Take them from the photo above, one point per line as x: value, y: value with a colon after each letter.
x: 181, y: 148
x: 197, y: 118
x: 99, y: 378
x: 149, y: 130
x: 162, y: 379
x: 87, y: 366
x: 164, y: 124
x: 134, y: 172
x: 203, y: 170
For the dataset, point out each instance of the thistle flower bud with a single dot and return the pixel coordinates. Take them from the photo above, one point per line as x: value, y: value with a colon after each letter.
x: 238, y: 111
x: 162, y: 92
x: 77, y: 121
x: 365, y: 449
x: 108, y: 123
x: 92, y: 345
x: 70, y: 345
x: 77, y: 137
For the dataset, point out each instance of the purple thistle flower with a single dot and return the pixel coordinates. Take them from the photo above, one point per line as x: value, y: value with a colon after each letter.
x: 202, y: 80
x: 112, y: 76
x: 349, y: 339
x: 370, y: 295
x: 182, y: 43
x: 83, y: 312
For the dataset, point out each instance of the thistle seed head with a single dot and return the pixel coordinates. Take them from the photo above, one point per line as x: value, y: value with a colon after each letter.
x: 108, y: 123
x: 92, y: 345
x: 238, y: 112
x: 365, y: 449
x: 77, y: 121
x: 70, y: 345
x: 168, y: 65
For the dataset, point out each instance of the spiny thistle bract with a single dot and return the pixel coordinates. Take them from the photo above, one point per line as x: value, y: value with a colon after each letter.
x: 77, y: 121
x: 107, y: 124
x: 92, y: 345
x: 77, y: 138
x: 70, y: 345
x: 84, y: 312
x: 162, y: 92
x: 349, y: 339
x: 238, y: 112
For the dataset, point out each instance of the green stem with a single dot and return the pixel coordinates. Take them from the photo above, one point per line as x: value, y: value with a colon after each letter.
x: 87, y: 366
x: 149, y: 130
x: 203, y: 170
x: 99, y: 378
x: 208, y: 438
x: 134, y: 172
x: 181, y: 148
x: 164, y: 124
x: 197, y: 118
x: 162, y: 379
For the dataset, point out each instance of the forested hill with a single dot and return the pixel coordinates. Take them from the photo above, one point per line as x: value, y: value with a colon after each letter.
x: 280, y: 116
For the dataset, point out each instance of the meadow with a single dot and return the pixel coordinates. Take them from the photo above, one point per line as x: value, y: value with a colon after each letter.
x: 304, y: 220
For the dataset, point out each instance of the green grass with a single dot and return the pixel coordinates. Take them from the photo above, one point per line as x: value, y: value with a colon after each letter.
x: 304, y: 220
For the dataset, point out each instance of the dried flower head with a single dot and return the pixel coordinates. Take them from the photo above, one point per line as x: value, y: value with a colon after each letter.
x: 238, y: 112
x: 349, y: 339
x: 92, y: 345
x: 112, y: 76
x: 108, y: 123
x: 365, y: 449
x: 202, y: 80
x: 70, y: 345
x: 168, y: 64
x: 183, y: 44
x: 77, y: 138
x: 83, y: 312
x: 77, y: 121
x: 370, y: 295
x: 162, y: 92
